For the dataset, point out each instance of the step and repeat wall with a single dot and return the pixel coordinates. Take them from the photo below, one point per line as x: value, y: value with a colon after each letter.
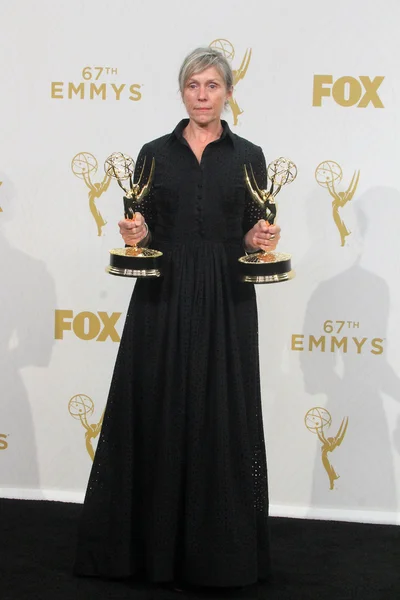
x: 317, y: 84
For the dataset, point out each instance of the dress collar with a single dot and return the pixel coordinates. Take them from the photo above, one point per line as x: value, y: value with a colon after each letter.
x: 226, y: 132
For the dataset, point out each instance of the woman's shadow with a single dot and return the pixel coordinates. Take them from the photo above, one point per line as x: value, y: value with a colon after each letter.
x: 353, y: 381
x: 27, y: 307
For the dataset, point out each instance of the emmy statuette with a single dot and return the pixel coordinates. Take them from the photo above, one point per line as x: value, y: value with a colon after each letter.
x: 267, y: 266
x: 134, y: 261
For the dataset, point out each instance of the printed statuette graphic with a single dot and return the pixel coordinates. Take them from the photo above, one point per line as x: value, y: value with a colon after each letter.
x: 317, y: 420
x: 227, y: 49
x: 83, y: 165
x: 329, y: 174
x: 81, y: 407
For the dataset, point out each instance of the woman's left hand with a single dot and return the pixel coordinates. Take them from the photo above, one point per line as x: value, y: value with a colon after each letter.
x: 262, y: 236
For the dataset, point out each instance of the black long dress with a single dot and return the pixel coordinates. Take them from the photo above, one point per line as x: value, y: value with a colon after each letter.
x: 178, y: 489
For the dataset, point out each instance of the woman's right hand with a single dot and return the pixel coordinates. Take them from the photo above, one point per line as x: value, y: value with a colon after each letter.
x: 133, y: 230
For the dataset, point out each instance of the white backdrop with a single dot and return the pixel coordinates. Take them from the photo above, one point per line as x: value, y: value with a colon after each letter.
x: 54, y: 287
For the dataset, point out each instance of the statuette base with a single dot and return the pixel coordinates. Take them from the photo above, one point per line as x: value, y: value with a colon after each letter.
x: 135, y: 262
x: 266, y: 267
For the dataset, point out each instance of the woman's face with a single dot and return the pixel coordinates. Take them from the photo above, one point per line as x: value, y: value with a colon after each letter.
x: 204, y: 96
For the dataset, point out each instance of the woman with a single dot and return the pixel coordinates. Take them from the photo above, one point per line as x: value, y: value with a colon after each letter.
x: 178, y: 489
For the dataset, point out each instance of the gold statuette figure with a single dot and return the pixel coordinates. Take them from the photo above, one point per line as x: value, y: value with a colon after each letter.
x: 316, y: 420
x: 328, y: 445
x: 226, y: 48
x: 267, y: 266
x: 327, y: 175
x: 134, y: 261
x: 81, y: 407
x: 84, y: 165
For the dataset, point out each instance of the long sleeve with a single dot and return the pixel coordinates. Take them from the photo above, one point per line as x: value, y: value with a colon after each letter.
x: 253, y: 212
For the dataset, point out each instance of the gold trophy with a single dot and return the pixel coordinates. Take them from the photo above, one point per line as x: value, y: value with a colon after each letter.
x: 267, y: 266
x: 133, y: 261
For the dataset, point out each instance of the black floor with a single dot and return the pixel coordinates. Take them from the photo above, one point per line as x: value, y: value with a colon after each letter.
x: 313, y: 560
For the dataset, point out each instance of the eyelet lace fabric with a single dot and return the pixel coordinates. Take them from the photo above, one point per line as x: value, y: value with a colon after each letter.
x: 178, y: 488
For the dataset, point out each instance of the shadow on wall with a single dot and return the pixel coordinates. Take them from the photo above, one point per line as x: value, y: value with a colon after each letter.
x: 354, y: 466
x: 26, y: 338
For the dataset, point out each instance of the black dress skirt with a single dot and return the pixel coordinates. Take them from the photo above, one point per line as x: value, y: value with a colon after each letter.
x: 178, y: 488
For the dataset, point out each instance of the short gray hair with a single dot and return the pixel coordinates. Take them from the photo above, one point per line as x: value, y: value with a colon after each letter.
x: 201, y: 59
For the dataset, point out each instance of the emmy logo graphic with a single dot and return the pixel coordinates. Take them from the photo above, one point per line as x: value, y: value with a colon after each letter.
x: 316, y: 420
x: 226, y: 48
x: 327, y: 175
x: 83, y: 164
x: 81, y: 407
